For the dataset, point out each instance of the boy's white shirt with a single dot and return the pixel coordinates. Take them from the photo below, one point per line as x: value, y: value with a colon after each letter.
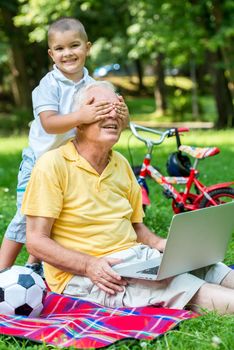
x: 55, y: 92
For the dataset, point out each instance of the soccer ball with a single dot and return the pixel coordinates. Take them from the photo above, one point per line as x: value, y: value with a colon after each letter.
x: 21, y: 292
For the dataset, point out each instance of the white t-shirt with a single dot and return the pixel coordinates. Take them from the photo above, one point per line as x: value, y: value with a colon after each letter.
x: 55, y: 92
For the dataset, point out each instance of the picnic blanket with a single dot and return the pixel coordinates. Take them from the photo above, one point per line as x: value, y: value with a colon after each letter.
x: 67, y: 321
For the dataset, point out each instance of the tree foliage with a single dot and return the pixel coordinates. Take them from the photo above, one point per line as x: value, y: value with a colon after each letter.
x: 190, y: 33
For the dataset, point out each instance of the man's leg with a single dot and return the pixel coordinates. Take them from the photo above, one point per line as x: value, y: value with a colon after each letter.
x: 9, y: 252
x: 213, y: 297
x: 228, y: 281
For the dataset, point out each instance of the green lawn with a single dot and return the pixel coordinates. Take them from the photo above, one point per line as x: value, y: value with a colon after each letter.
x: 206, y: 332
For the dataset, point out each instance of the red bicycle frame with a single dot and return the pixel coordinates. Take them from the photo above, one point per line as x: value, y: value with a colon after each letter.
x: 185, y: 200
x: 167, y: 183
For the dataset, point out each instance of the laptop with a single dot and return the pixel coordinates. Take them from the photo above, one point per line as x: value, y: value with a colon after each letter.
x: 196, y: 239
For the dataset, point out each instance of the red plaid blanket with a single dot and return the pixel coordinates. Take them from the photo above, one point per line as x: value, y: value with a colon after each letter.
x: 67, y: 321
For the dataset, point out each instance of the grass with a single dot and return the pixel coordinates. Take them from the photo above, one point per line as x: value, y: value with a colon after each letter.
x: 203, y: 333
x: 10, y: 157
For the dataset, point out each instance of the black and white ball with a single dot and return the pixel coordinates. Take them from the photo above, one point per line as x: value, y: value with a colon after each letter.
x: 21, y: 292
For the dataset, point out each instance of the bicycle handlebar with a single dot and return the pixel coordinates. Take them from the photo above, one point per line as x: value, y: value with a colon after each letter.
x: 168, y: 133
x: 182, y: 129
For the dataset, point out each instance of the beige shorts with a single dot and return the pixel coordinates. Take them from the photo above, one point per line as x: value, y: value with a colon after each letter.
x: 174, y: 292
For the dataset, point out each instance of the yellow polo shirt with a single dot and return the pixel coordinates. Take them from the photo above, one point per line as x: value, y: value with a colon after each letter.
x: 93, y: 213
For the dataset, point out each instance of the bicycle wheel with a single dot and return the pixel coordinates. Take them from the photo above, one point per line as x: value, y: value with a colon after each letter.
x: 220, y: 196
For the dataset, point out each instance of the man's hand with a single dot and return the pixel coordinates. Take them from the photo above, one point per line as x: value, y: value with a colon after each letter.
x: 145, y: 236
x: 122, y: 110
x: 162, y: 244
x: 99, y: 271
x: 91, y: 112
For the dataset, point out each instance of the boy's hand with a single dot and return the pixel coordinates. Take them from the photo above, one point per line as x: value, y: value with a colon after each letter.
x: 91, y: 112
x: 122, y: 110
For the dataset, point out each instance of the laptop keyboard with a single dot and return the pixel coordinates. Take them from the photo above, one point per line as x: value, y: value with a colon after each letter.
x: 150, y: 271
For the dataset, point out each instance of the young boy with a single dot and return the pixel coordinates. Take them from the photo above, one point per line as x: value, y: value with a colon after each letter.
x: 54, y: 121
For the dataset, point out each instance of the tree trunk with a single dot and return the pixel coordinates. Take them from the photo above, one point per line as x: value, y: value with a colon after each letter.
x: 228, y: 56
x: 195, y: 108
x: 139, y: 71
x: 222, y: 93
x: 160, y: 87
x: 20, y: 86
x: 204, y: 87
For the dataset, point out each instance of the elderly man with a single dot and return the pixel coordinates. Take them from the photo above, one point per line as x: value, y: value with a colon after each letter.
x: 83, y: 207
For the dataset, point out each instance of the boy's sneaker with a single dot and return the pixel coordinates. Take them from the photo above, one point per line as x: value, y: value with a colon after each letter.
x: 36, y: 267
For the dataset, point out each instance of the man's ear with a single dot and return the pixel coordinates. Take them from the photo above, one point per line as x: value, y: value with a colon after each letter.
x: 89, y: 101
x: 80, y: 128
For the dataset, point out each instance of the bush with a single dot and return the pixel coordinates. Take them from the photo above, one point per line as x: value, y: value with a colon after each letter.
x: 15, y: 123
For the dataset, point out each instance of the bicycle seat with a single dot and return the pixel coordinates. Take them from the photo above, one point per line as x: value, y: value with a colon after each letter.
x: 199, y: 152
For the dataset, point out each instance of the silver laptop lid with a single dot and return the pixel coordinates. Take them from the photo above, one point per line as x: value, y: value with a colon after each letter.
x: 197, y: 238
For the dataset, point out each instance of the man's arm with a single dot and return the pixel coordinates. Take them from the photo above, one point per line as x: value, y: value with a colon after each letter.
x: 145, y: 236
x: 40, y: 245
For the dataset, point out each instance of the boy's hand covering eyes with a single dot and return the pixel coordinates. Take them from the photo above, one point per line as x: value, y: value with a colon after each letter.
x: 91, y: 112
x: 122, y: 110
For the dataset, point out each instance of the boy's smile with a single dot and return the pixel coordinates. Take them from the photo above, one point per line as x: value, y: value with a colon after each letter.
x: 69, y: 50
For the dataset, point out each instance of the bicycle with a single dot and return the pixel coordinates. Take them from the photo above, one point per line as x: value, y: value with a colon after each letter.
x: 181, y: 172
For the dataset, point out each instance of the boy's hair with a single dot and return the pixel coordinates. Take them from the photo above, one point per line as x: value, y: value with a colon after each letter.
x: 80, y: 96
x: 67, y: 23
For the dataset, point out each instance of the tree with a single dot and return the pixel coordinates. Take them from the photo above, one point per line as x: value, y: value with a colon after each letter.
x: 104, y: 20
x: 157, y: 32
x: 15, y: 38
x: 181, y: 30
x: 219, y: 29
x: 161, y: 32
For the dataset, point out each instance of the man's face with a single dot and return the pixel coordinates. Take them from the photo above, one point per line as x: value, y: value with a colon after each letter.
x: 108, y: 130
